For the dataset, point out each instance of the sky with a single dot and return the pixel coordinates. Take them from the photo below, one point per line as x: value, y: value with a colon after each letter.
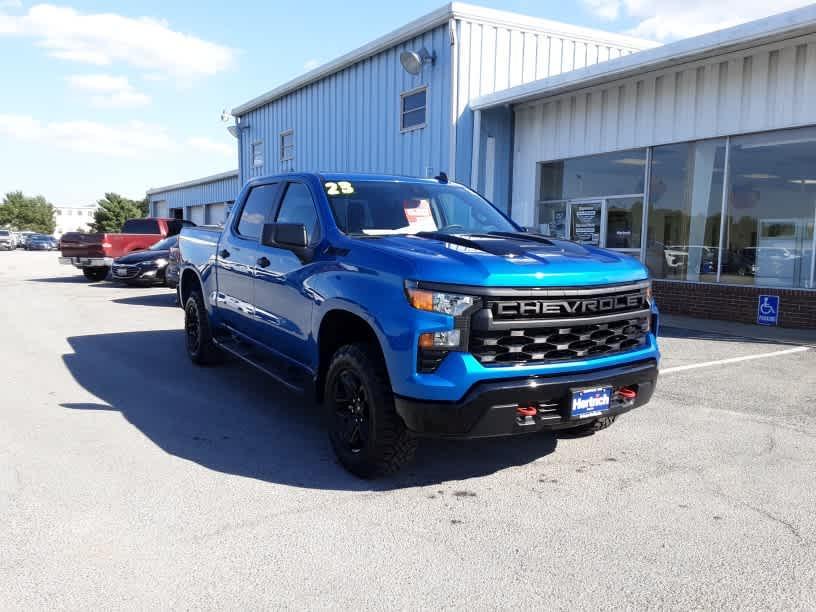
x: 123, y: 96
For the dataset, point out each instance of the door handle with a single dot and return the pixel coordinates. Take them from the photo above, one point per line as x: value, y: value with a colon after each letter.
x: 263, y: 262
x: 224, y: 253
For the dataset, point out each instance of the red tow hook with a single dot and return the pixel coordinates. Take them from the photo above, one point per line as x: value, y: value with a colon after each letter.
x: 527, y: 411
x: 627, y: 393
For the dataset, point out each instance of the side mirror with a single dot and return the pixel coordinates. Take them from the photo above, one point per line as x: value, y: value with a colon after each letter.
x: 286, y: 235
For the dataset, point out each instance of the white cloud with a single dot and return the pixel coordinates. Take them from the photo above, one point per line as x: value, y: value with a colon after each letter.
x: 103, y: 39
x: 109, y: 91
x: 133, y: 139
x: 311, y: 64
x: 205, y: 145
x: 674, y: 19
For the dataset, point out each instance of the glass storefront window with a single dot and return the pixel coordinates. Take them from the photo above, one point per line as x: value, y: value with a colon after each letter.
x: 624, y: 220
x: 685, y: 206
x: 619, y: 173
x: 552, y: 220
x: 771, y: 208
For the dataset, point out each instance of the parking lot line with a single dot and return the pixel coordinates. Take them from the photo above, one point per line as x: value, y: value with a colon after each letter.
x: 694, y: 366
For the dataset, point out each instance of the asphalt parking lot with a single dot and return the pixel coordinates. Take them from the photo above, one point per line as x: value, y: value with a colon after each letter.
x: 131, y: 479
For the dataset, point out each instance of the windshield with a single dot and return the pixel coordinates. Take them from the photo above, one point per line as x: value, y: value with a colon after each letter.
x: 164, y: 245
x: 376, y: 208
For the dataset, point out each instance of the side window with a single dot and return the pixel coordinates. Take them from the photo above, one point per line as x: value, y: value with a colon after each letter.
x: 298, y: 207
x: 254, y: 212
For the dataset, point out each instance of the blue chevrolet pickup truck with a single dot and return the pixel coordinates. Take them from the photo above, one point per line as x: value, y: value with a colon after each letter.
x: 412, y: 307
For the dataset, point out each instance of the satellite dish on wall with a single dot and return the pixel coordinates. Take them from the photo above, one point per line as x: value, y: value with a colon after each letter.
x: 412, y: 61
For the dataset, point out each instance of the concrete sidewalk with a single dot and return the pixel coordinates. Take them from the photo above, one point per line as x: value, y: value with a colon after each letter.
x: 800, y: 337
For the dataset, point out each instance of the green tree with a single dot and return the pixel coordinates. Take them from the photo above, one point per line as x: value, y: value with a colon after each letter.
x: 113, y: 211
x: 25, y: 213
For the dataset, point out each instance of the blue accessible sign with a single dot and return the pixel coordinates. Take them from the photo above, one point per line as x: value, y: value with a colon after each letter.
x: 768, y: 310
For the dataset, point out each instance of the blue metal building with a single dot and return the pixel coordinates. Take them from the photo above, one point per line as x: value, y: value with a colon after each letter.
x: 366, y: 111
x: 204, y: 201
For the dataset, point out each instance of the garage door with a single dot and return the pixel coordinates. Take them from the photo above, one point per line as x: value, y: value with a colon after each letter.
x: 215, y: 214
x: 197, y: 215
x: 161, y: 209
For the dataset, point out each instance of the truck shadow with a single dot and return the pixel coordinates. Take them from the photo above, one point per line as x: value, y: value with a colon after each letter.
x: 234, y: 420
x: 154, y: 299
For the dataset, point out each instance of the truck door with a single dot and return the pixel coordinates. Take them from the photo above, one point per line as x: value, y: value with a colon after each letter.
x: 283, y: 304
x: 236, y: 257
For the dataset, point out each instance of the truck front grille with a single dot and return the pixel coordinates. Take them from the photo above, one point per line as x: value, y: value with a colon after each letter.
x: 542, y: 344
x: 561, y: 325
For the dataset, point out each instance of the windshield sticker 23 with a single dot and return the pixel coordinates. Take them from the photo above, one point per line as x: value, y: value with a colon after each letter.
x: 339, y: 188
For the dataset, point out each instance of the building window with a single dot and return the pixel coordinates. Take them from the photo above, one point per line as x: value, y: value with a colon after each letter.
x: 768, y: 237
x: 685, y: 206
x: 413, y: 109
x: 619, y: 173
x: 287, y: 145
x: 738, y: 211
x: 257, y: 154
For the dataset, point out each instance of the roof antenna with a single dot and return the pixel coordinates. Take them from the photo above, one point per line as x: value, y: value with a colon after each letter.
x: 441, y: 177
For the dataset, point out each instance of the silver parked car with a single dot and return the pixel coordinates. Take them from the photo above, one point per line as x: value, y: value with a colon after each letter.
x: 8, y: 241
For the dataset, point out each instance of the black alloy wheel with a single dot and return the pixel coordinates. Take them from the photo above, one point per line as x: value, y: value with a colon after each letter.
x: 351, y: 411
x: 192, y: 327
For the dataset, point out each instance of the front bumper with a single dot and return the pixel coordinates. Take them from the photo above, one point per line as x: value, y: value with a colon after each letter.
x: 87, y: 262
x: 490, y: 408
x: 136, y: 274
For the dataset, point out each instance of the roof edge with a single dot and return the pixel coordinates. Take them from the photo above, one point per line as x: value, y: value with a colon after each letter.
x: 434, y: 19
x: 761, y: 31
x: 193, y: 183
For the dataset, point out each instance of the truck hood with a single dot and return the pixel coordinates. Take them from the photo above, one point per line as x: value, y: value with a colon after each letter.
x: 509, y: 260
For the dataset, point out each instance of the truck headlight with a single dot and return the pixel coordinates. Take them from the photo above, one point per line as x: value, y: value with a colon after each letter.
x: 435, y: 301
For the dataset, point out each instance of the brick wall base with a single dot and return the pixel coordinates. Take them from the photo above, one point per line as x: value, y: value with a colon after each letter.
x: 797, y: 308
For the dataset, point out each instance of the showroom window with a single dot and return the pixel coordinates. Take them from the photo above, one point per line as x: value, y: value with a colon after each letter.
x: 685, y: 207
x: 595, y: 200
x: 768, y: 239
x: 619, y: 173
x: 738, y: 210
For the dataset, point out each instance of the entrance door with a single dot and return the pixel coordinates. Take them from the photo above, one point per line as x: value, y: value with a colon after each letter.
x: 587, y: 222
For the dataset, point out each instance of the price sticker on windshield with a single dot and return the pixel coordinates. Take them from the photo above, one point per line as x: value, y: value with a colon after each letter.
x: 339, y: 188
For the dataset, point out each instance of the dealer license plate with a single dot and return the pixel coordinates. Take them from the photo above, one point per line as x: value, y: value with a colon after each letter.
x: 121, y: 272
x: 591, y: 402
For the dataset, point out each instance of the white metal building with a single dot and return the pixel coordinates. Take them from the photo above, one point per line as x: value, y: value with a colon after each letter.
x: 73, y: 219
x: 698, y: 157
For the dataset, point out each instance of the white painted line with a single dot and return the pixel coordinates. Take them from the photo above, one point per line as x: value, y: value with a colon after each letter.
x: 707, y: 364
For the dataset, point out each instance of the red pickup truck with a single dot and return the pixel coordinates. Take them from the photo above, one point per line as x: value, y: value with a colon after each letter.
x: 94, y: 253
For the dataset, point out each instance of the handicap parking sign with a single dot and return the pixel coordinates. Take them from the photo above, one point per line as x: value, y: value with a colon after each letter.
x: 768, y: 310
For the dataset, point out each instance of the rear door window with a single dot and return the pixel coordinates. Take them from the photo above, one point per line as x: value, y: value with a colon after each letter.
x: 258, y: 205
x: 141, y: 226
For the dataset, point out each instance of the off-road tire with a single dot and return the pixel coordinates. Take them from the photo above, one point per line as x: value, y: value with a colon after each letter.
x: 96, y: 274
x: 198, y: 334
x: 389, y: 445
x: 595, y: 425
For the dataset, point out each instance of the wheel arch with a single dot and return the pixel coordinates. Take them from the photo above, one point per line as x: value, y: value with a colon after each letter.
x: 339, y: 327
x: 189, y: 280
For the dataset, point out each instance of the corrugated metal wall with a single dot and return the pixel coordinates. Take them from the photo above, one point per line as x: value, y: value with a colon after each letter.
x: 758, y: 89
x: 211, y: 192
x: 350, y: 121
x: 493, y: 57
